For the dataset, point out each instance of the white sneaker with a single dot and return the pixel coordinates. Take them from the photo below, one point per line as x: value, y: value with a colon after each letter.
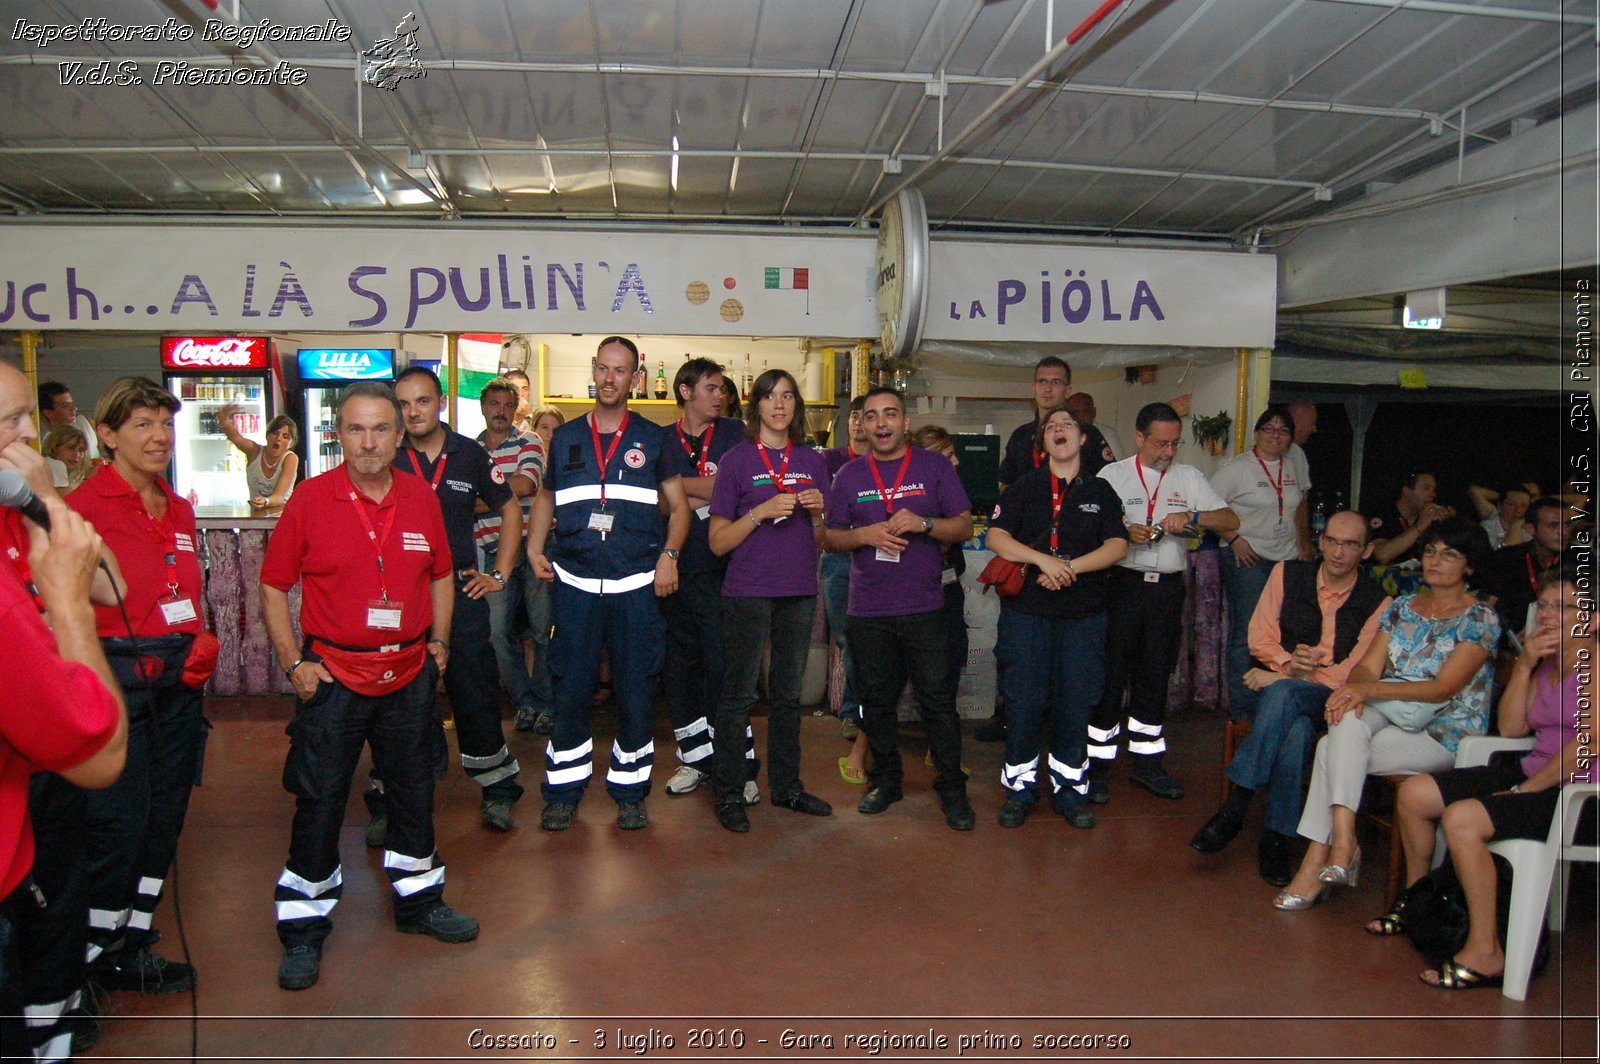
x: 686, y: 779
x: 752, y: 793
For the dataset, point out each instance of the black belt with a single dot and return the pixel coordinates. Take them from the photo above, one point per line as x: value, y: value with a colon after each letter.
x: 1144, y: 575
x: 306, y: 645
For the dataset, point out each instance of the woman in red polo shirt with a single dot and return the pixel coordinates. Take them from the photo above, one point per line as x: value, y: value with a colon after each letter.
x: 133, y: 826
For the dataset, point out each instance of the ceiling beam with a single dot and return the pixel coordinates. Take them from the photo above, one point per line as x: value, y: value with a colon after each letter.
x: 1445, y: 7
x: 916, y: 78
x: 1525, y: 205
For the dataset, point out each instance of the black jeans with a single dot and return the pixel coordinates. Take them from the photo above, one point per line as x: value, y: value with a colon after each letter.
x: 747, y: 623
x: 888, y: 651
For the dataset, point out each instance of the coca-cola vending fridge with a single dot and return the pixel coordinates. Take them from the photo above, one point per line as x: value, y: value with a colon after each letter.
x: 209, y: 374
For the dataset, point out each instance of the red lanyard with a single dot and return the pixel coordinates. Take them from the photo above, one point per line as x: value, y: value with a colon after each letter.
x: 168, y: 534
x: 1276, y: 486
x: 684, y: 438
x: 888, y: 496
x: 377, y: 540
x: 777, y: 475
x: 1533, y: 577
x: 1058, y: 496
x: 594, y: 430
x: 1150, y: 496
x: 851, y: 451
x: 1038, y: 456
x: 438, y: 470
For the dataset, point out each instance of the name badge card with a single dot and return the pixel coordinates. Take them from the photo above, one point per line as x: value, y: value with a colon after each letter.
x: 703, y: 513
x: 383, y: 615
x: 886, y: 556
x: 602, y: 522
x: 948, y: 577
x: 1146, y: 556
x: 178, y: 611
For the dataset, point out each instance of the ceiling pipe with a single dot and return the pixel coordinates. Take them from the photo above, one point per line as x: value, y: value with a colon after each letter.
x: 1003, y: 101
x: 813, y: 74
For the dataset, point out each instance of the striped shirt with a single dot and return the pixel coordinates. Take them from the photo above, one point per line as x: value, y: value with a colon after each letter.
x: 516, y: 455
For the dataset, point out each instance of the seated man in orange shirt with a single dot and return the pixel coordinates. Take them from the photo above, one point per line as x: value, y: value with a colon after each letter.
x: 1328, y: 613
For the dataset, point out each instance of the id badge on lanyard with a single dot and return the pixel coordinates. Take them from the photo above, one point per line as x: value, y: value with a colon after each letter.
x: 383, y: 615
x: 176, y: 609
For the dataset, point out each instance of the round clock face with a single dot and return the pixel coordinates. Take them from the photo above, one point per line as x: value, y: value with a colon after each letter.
x: 902, y: 261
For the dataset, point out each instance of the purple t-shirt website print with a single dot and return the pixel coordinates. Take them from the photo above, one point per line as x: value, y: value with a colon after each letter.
x: 778, y: 558
x: 930, y: 488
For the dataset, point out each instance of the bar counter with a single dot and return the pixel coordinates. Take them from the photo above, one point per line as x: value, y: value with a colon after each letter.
x: 234, y: 541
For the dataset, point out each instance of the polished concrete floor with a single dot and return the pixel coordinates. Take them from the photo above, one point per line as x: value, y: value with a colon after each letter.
x: 835, y: 938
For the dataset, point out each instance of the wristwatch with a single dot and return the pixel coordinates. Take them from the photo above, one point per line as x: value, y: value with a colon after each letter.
x: 671, y: 552
x: 927, y: 524
x: 289, y: 672
x: 495, y: 575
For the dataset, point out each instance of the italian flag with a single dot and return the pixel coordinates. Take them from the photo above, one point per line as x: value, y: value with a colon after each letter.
x: 788, y: 277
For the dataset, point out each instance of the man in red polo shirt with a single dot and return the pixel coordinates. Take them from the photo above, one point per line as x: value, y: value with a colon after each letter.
x: 370, y: 551
x: 61, y: 714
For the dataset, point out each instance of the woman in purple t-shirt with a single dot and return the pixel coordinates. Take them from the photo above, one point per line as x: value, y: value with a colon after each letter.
x: 766, y: 518
x: 1510, y: 798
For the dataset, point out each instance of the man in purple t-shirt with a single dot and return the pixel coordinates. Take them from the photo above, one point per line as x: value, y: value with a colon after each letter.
x: 895, y: 511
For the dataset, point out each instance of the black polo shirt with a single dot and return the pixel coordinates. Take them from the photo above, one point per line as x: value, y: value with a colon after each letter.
x: 1091, y: 514
x: 1386, y: 523
x: 1019, y: 455
x: 681, y: 458
x: 469, y: 474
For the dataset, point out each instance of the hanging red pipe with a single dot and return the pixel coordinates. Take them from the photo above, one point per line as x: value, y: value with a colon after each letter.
x: 1092, y: 21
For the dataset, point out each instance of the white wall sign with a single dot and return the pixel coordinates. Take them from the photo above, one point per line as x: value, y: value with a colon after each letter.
x: 344, y: 279
x: 1101, y: 295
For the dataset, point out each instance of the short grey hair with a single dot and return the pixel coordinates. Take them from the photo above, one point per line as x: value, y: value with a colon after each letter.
x: 369, y: 390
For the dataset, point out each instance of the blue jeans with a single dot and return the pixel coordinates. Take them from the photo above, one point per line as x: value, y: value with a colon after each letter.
x: 1055, y: 667
x: 1274, y: 754
x: 536, y: 595
x: 1243, y: 587
x: 508, y: 657
x: 835, y: 569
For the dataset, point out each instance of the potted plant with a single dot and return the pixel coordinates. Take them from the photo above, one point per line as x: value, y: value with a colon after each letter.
x: 1212, y: 431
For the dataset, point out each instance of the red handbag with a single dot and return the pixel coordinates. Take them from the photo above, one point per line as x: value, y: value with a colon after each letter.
x: 1004, y: 576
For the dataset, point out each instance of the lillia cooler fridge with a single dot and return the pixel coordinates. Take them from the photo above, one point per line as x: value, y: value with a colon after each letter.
x: 324, y: 371
x: 209, y: 374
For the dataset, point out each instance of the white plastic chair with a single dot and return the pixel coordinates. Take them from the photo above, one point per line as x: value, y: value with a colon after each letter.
x: 1539, y: 870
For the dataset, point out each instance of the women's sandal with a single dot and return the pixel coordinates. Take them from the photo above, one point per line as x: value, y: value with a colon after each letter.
x: 1340, y: 875
x: 850, y: 777
x: 1294, y: 903
x: 1390, y: 923
x: 1456, y: 976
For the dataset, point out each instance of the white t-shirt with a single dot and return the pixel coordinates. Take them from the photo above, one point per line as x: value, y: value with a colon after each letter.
x: 1497, y: 532
x: 1181, y: 489
x: 1297, y: 460
x: 58, y: 472
x: 1251, y: 492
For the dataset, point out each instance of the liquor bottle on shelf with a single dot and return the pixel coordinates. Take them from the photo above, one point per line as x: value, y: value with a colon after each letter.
x: 661, y: 379
x: 593, y: 362
x: 748, y: 382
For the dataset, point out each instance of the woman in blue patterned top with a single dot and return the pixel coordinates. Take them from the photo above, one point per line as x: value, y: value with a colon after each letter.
x: 1424, y: 685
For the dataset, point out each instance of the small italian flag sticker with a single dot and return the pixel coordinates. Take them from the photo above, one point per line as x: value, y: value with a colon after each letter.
x: 788, y: 277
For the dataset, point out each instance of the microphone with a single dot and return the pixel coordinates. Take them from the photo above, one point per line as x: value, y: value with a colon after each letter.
x: 15, y: 493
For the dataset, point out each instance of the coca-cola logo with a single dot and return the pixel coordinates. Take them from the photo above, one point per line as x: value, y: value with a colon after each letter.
x: 214, y: 352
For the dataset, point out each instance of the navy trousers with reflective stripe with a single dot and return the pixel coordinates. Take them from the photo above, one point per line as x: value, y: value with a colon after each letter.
x: 133, y: 825
x: 325, y: 741
x: 51, y: 939
x: 1144, y: 624
x: 628, y: 625
x: 472, y: 680
x: 693, y: 671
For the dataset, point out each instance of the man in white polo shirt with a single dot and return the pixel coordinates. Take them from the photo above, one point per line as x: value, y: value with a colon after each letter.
x: 1160, y: 500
